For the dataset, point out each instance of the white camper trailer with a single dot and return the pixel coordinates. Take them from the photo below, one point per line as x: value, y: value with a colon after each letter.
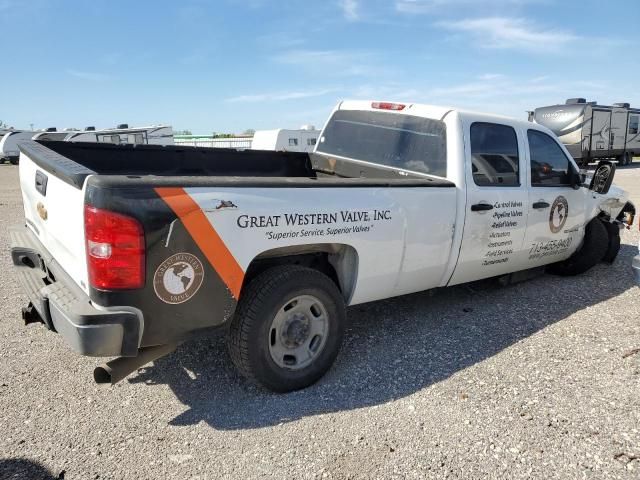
x: 302, y: 140
x: 9, y: 144
x: 591, y: 131
x: 122, y: 135
x: 242, y: 142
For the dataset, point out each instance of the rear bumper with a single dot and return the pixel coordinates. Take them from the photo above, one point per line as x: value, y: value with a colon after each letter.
x: 635, y: 263
x: 63, y: 307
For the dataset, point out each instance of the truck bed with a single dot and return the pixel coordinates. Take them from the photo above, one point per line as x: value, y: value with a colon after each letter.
x: 134, y: 164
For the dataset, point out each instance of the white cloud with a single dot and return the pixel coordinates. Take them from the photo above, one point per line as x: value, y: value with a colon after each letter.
x: 350, y: 9
x: 334, y: 63
x: 91, y: 76
x: 279, y: 40
x: 491, y: 76
x: 438, y: 6
x: 511, y: 33
x: 279, y: 96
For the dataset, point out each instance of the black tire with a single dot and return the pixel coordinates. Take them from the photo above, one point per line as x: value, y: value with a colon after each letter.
x: 13, y: 161
x: 593, y: 249
x: 625, y: 159
x: 614, y: 242
x: 250, y: 329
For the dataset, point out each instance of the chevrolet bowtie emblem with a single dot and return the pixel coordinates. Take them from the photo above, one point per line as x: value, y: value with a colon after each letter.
x: 42, y: 211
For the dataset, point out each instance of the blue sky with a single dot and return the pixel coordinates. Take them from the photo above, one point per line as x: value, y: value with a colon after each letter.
x: 230, y: 65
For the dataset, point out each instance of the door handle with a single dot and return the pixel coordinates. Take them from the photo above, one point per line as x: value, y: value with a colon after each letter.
x: 481, y: 207
x: 540, y: 205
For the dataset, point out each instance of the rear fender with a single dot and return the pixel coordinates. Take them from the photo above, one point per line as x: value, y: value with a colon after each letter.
x: 338, y: 261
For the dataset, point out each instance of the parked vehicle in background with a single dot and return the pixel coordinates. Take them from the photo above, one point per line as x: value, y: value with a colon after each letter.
x: 241, y: 142
x: 591, y: 131
x: 3, y: 132
x: 9, y: 150
x: 122, y: 135
x: 635, y: 264
x: 283, y: 140
x: 129, y: 250
x: 125, y: 135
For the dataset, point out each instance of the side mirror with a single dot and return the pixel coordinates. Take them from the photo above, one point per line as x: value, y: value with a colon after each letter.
x: 603, y: 177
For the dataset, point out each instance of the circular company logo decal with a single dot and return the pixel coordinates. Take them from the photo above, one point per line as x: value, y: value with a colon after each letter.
x: 178, y: 278
x: 558, y: 214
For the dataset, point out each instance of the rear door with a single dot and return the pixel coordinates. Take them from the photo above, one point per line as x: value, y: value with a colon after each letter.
x: 556, y: 214
x: 600, y: 133
x: 618, y: 129
x: 497, y: 203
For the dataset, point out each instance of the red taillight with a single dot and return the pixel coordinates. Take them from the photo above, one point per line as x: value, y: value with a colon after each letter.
x: 115, y: 250
x: 388, y: 106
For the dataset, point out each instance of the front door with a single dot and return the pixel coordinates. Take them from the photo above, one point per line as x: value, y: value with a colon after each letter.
x: 556, y: 210
x: 497, y: 203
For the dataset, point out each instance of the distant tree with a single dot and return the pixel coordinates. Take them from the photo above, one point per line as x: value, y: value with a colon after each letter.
x: 3, y: 125
x: 184, y: 132
x: 249, y: 131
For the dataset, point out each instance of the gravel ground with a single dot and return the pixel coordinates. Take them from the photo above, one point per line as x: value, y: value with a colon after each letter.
x: 534, y: 380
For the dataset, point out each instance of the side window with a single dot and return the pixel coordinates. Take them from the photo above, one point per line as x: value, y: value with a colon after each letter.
x: 633, y: 124
x: 494, y: 155
x: 549, y: 164
x: 311, y: 141
x: 293, y: 142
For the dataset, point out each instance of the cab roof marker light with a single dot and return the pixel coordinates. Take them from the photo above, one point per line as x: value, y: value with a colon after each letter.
x: 388, y: 106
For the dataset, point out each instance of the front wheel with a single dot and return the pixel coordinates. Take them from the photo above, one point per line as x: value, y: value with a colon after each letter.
x: 288, y: 328
x: 593, y: 250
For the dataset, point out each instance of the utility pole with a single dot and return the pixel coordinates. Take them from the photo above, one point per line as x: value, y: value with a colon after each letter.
x: 31, y: 125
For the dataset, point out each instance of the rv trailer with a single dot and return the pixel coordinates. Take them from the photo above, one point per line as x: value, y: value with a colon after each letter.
x: 301, y: 140
x: 9, y: 145
x: 240, y: 142
x: 591, y: 131
x: 123, y: 135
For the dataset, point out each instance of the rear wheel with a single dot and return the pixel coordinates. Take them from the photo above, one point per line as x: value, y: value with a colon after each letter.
x: 288, y: 328
x: 593, y: 249
x: 624, y: 159
x: 13, y: 160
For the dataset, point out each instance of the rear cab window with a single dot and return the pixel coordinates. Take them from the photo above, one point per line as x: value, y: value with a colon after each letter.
x: 494, y: 155
x: 395, y: 140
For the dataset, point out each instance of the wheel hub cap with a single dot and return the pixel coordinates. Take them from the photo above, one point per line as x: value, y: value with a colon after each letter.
x: 298, y: 332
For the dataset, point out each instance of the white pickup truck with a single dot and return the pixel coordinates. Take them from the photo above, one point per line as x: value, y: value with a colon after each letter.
x: 129, y: 250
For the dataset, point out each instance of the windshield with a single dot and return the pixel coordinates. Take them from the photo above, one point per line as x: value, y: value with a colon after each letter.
x: 395, y: 140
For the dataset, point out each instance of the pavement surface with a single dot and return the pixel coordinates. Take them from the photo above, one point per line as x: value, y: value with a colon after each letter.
x: 539, y: 379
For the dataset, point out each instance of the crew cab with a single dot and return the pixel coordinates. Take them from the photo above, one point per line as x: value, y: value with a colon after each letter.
x: 129, y: 250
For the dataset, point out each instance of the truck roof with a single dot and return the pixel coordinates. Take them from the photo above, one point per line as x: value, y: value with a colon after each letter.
x: 432, y: 111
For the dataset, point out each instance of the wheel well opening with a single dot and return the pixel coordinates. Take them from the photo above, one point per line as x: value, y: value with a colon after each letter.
x: 337, y: 261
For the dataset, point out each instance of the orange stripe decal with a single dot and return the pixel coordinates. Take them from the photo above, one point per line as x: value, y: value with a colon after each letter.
x: 205, y: 236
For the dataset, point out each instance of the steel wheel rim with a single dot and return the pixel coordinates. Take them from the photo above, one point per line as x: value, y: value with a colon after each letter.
x: 298, y: 332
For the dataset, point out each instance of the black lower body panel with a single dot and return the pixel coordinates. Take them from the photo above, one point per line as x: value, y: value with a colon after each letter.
x: 65, y: 308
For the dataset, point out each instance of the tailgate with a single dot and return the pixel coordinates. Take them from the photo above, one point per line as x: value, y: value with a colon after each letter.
x: 54, y: 208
